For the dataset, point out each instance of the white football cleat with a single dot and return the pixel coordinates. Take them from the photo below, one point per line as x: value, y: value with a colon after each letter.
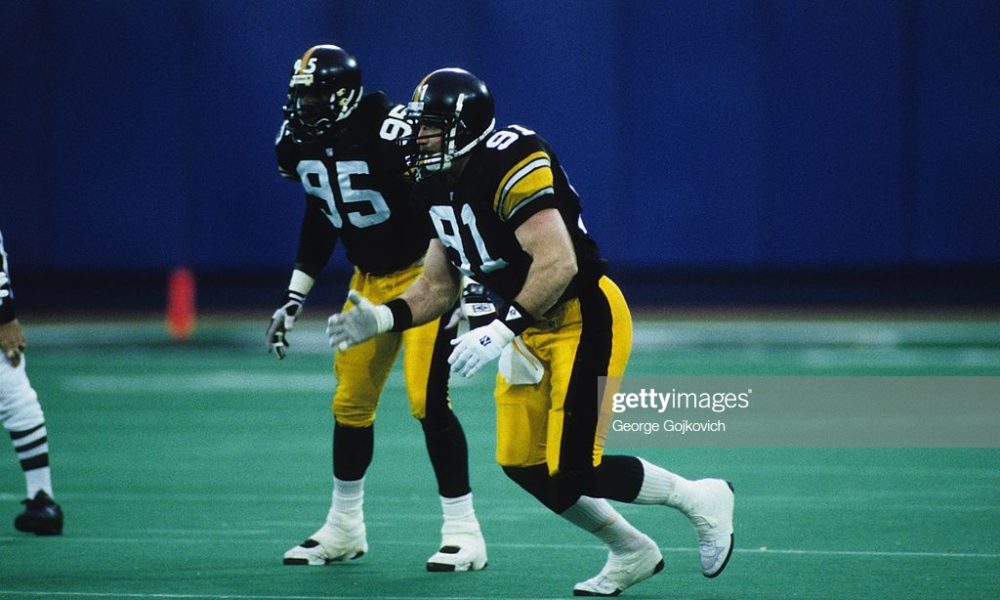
x: 342, y: 540
x: 711, y: 513
x: 623, y: 570
x: 462, y: 547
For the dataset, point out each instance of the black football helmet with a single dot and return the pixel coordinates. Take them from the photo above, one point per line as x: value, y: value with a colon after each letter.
x: 324, y: 89
x: 459, y: 104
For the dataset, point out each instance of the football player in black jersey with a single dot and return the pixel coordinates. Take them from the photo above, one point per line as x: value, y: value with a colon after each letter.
x: 23, y: 418
x: 506, y: 215
x: 340, y: 143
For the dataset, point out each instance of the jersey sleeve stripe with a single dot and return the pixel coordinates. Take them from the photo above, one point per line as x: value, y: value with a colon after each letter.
x: 522, y: 182
x: 529, y: 199
x: 526, y: 188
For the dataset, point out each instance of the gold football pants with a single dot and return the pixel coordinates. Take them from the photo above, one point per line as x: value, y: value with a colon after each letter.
x: 555, y: 422
x: 362, y: 370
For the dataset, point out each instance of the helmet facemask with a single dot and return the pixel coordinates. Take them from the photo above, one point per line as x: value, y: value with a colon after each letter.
x: 439, y: 160
x: 456, y: 139
x: 315, y: 112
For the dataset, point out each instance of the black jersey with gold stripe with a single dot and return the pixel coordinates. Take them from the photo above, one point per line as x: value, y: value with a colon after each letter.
x: 508, y: 178
x: 357, y: 192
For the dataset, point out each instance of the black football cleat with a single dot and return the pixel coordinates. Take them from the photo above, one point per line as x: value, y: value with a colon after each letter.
x: 41, y: 516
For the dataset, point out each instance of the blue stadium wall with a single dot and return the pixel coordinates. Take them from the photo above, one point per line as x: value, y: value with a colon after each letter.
x: 733, y: 143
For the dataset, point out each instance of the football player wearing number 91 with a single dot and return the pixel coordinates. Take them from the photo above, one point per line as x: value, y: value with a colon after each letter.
x: 507, y: 216
x: 340, y: 143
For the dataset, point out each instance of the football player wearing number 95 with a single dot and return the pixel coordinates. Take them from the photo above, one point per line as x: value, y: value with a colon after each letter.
x: 507, y: 216
x: 340, y: 143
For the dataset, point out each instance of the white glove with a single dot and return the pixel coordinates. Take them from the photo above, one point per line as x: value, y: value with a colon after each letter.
x: 282, y: 322
x: 478, y: 347
x: 363, y: 322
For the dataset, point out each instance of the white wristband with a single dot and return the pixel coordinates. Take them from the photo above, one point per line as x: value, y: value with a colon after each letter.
x: 383, y: 318
x: 301, y: 282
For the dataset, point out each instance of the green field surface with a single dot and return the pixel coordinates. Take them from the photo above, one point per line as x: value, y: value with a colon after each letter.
x: 187, y: 469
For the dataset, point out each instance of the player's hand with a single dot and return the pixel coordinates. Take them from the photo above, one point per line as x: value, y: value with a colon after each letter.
x: 12, y: 342
x: 282, y: 322
x: 476, y: 307
x: 478, y: 347
x: 361, y: 323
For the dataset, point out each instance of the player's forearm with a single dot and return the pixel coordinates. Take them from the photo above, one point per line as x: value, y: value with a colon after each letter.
x: 553, y: 261
x: 429, y: 299
x: 547, y: 279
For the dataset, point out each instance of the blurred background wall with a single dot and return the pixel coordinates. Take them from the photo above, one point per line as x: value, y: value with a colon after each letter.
x: 727, y: 152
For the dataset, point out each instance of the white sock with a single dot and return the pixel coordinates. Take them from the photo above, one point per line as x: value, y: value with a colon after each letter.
x: 597, y: 517
x: 660, y: 486
x: 348, y: 496
x: 32, y: 449
x: 39, y: 480
x: 458, y: 508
